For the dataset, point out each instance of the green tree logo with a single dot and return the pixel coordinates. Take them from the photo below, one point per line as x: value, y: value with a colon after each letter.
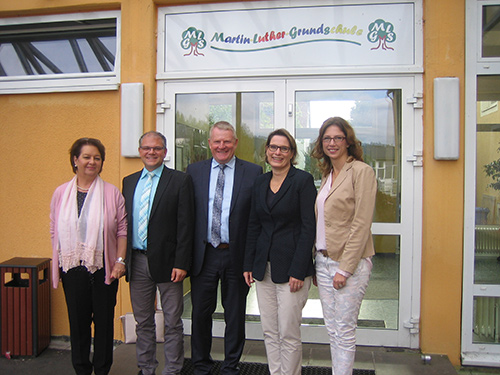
x: 381, y: 32
x: 194, y: 40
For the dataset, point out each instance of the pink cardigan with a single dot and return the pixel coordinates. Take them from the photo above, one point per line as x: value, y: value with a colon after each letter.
x: 115, y: 226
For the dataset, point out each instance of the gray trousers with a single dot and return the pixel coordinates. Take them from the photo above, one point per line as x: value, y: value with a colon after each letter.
x: 143, y: 294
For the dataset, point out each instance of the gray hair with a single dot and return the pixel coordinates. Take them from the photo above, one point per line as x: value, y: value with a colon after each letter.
x: 155, y: 134
x: 223, y: 125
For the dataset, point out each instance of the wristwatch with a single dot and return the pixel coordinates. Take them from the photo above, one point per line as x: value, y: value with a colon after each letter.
x: 120, y: 260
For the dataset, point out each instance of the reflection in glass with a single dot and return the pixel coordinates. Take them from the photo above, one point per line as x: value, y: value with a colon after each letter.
x: 381, y: 302
x: 86, y: 46
x: 486, y: 320
x: 375, y: 115
x: 487, y: 228
x: 491, y: 31
x: 380, y: 306
x: 376, y: 118
x: 251, y: 113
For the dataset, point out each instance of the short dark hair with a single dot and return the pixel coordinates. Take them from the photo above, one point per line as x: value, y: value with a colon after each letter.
x: 291, y: 141
x: 156, y: 134
x: 76, y: 150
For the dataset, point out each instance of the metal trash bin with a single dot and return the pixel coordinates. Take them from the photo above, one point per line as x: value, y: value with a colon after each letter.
x: 25, y: 306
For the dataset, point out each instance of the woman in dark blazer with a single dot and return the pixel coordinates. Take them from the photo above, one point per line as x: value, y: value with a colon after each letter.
x: 279, y: 251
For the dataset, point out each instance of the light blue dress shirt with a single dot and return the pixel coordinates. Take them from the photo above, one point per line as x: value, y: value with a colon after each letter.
x: 136, y: 242
x: 226, y: 200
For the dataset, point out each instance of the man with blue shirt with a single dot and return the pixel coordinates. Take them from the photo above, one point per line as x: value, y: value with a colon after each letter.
x: 160, y: 207
x: 222, y: 186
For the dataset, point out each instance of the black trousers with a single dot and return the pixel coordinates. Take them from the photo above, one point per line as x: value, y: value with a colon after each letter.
x: 89, y: 300
x: 217, y: 268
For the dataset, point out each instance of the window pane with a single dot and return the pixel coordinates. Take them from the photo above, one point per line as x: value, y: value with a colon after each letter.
x: 487, y: 229
x: 486, y: 320
x: 86, y: 46
x: 375, y: 116
x: 491, y: 31
x: 381, y: 301
x: 251, y: 113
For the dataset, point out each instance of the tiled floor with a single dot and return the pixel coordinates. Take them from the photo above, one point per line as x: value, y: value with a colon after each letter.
x: 380, y: 304
x: 56, y: 360
x: 385, y: 361
x: 478, y: 371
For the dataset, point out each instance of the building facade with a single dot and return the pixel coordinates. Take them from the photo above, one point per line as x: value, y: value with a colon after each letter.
x: 416, y: 78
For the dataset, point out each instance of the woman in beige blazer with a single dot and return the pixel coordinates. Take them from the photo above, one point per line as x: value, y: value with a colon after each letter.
x: 344, y: 245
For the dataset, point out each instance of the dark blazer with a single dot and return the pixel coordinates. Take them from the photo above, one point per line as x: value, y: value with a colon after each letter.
x: 170, y: 228
x: 245, y: 174
x: 284, y: 233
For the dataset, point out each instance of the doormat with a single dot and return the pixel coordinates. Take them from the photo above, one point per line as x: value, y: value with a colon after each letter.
x: 249, y: 368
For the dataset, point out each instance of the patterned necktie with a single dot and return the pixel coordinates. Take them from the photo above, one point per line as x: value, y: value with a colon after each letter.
x: 217, y: 209
x: 144, y: 208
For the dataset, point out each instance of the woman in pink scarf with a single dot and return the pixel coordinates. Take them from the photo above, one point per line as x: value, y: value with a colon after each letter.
x: 88, y: 228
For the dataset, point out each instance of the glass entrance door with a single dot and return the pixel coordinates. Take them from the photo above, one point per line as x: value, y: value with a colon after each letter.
x: 377, y: 109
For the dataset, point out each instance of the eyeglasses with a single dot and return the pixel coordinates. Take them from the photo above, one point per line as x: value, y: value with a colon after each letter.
x: 155, y: 149
x: 336, y: 139
x: 283, y: 149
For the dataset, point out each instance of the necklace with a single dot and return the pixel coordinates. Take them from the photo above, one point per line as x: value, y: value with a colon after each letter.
x: 82, y: 189
x: 276, y: 182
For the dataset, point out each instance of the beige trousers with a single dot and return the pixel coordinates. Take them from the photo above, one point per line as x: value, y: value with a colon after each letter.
x: 281, y: 317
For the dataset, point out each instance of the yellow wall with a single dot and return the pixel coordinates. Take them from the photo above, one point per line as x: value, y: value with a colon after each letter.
x: 37, y: 130
x: 444, y: 50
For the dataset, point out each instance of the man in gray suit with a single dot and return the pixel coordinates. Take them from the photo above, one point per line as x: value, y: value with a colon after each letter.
x: 160, y: 207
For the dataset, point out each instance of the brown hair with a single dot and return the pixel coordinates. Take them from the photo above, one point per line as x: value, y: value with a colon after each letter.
x: 76, y: 150
x: 353, y: 149
x: 291, y: 142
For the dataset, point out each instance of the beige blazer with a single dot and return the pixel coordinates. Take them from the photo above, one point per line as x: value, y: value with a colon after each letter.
x: 349, y: 213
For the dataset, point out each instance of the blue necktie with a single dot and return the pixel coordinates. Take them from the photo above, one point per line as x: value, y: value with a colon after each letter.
x: 217, y: 209
x: 144, y: 208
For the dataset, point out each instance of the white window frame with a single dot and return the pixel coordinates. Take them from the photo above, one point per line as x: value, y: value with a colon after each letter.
x: 93, y: 81
x: 476, y: 354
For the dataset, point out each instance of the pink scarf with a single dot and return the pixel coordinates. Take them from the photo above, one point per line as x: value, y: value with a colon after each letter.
x: 80, y: 239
